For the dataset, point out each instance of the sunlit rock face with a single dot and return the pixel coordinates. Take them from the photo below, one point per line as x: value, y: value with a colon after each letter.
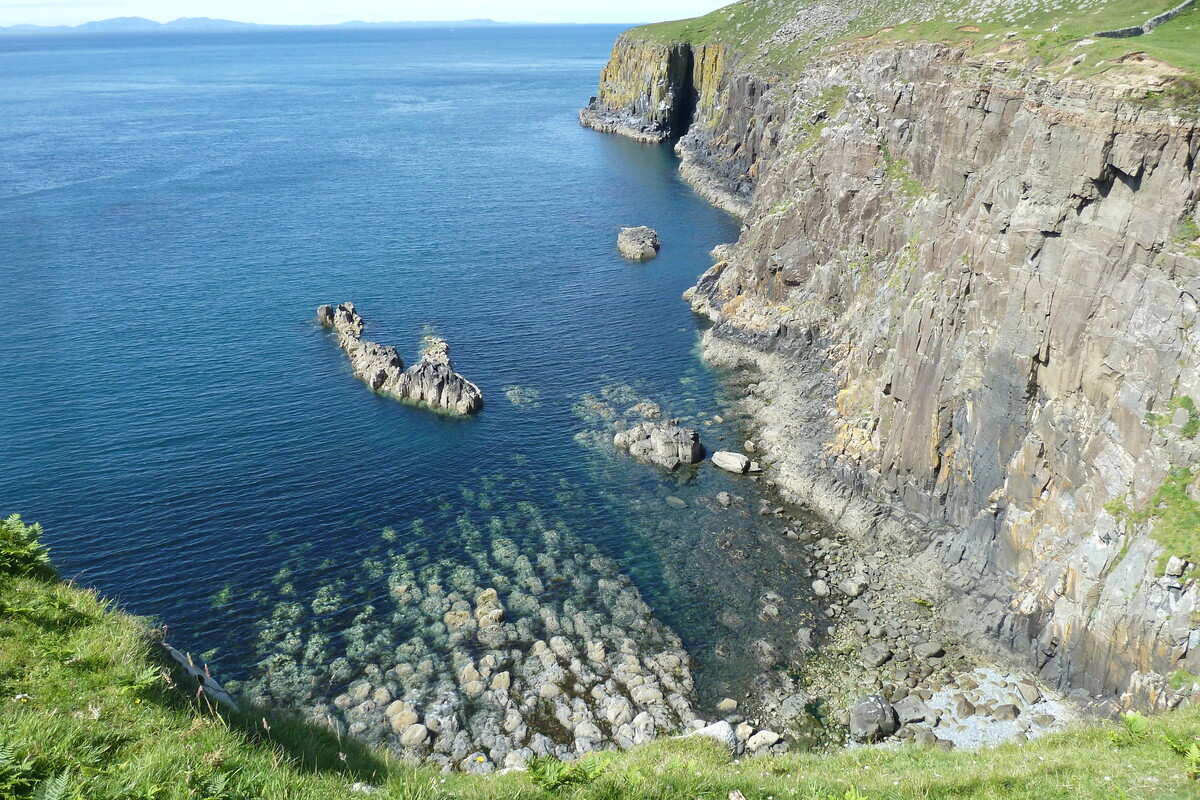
x: 971, y: 291
x: 431, y: 382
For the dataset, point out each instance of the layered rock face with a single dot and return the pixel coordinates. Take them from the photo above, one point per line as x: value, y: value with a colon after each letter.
x: 431, y: 382
x: 646, y: 91
x: 972, y: 295
x: 722, y: 119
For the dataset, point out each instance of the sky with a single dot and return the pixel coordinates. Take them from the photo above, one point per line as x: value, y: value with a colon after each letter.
x: 317, y: 12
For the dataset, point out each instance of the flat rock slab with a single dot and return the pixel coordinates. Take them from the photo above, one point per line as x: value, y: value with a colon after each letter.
x: 731, y: 461
x: 875, y: 655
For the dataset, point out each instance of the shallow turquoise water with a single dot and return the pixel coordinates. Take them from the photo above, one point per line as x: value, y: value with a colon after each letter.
x: 173, y: 209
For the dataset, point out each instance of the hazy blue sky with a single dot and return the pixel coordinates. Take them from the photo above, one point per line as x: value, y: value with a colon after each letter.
x: 72, y: 12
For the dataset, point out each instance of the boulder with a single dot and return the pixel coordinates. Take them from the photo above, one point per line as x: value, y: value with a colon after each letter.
x: 911, y: 709
x: 854, y: 586
x: 1029, y: 692
x: 875, y: 655
x: 926, y: 739
x: 414, y: 736
x: 929, y: 650
x: 761, y: 740
x: 731, y: 461
x: 1006, y: 712
x: 666, y: 444
x: 872, y: 718
x: 638, y: 244
x: 720, y: 731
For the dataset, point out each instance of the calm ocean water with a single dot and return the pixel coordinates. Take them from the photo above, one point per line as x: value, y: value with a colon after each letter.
x: 172, y: 210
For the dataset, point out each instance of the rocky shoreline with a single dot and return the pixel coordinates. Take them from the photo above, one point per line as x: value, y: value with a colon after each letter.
x: 985, y: 271
x: 883, y: 631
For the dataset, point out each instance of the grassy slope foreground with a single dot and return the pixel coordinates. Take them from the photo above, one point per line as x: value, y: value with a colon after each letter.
x: 90, y: 708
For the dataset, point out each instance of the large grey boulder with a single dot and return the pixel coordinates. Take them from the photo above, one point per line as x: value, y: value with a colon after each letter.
x: 639, y: 244
x: 720, y: 731
x: 911, y: 709
x: 872, y: 718
x: 431, y: 382
x: 666, y: 444
x: 733, y: 462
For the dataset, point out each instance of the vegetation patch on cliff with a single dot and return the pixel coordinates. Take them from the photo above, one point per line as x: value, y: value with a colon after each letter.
x: 1176, y: 517
x: 1172, y: 513
x: 782, y: 36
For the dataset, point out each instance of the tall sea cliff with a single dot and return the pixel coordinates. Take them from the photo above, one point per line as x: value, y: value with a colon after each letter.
x: 967, y: 280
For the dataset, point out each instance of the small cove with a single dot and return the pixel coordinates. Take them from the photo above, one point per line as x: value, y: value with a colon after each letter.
x: 173, y: 210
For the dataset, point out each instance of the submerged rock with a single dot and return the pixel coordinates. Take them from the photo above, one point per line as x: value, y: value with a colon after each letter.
x: 638, y: 244
x: 666, y: 444
x: 431, y: 382
x: 534, y: 645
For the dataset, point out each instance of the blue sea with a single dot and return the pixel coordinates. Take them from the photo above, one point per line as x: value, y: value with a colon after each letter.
x: 174, y: 207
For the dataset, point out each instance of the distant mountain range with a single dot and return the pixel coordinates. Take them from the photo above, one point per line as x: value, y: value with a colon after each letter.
x: 143, y: 25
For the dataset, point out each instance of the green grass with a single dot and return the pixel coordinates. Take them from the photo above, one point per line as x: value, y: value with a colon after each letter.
x: 89, y: 708
x: 1047, y: 40
x: 1176, y: 517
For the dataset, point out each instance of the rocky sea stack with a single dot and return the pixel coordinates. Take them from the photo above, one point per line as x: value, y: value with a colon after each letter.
x: 431, y: 382
x: 638, y: 244
x: 666, y: 444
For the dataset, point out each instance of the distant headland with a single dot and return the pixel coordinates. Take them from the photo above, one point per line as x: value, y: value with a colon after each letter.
x: 185, y: 24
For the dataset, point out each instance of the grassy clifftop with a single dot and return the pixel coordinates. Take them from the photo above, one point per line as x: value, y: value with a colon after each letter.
x: 90, y: 708
x: 783, y: 35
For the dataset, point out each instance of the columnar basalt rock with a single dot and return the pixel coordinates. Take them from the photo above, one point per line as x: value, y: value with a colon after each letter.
x: 431, y: 382
x: 967, y: 293
x: 666, y: 444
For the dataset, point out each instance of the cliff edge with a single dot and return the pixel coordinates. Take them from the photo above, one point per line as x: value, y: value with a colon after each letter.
x: 968, y: 281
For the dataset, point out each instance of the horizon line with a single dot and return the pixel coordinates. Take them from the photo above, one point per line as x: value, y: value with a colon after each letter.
x: 83, y: 27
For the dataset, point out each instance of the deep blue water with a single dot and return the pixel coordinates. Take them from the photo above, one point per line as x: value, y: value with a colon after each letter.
x: 174, y: 208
